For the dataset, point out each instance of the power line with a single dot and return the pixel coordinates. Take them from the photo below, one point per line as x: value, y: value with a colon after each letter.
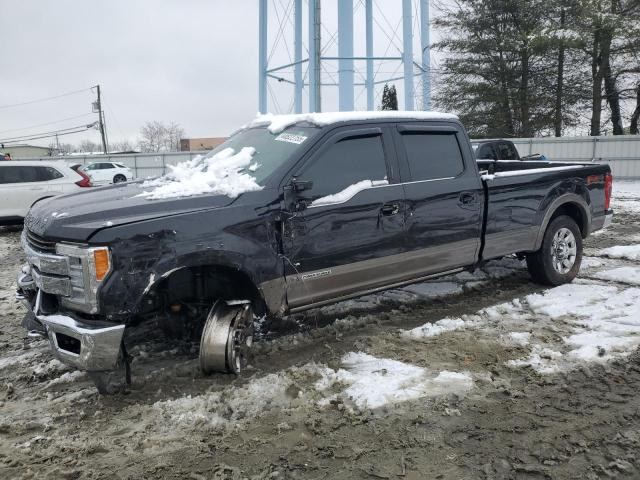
x: 37, y: 136
x: 47, y: 123
x: 45, y: 98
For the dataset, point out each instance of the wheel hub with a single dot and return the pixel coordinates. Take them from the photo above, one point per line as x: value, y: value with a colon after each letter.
x: 226, y: 338
x: 563, y: 251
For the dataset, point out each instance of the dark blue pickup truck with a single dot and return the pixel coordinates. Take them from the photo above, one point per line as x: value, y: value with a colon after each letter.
x: 291, y: 213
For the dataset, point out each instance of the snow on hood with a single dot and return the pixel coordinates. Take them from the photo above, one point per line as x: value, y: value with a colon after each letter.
x: 278, y: 123
x: 221, y: 174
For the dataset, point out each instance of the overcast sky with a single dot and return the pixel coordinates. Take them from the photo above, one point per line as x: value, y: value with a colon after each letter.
x: 193, y: 62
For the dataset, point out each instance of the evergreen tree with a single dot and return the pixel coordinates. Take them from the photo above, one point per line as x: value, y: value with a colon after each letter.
x: 393, y: 98
x: 389, y: 98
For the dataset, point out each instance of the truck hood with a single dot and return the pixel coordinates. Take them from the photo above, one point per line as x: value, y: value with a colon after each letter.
x: 77, y: 216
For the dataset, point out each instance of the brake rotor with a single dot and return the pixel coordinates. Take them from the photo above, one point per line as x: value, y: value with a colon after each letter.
x: 226, y: 338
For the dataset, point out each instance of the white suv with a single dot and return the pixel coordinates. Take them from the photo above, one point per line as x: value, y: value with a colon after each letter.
x: 23, y: 183
x: 103, y: 173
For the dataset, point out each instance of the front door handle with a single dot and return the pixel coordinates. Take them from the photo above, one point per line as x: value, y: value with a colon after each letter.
x: 468, y: 198
x: 390, y: 209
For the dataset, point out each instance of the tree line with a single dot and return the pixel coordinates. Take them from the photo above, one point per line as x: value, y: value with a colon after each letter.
x: 154, y: 137
x: 522, y: 68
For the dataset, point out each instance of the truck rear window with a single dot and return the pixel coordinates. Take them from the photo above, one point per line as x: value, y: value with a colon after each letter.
x: 432, y: 155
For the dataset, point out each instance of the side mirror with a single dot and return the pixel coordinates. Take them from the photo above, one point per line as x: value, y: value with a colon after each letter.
x: 292, y: 200
x: 301, y: 185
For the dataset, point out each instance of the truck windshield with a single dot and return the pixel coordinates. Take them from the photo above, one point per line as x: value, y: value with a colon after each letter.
x: 271, y: 150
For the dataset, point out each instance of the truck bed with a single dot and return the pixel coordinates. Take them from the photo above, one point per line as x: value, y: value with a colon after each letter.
x: 518, y: 196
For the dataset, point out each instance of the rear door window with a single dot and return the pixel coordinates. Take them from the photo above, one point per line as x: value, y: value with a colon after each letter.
x: 507, y: 151
x: 48, y: 173
x: 432, y: 155
x: 486, y: 152
x: 347, y: 162
x: 18, y: 174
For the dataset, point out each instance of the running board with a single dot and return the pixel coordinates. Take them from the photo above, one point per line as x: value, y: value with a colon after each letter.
x: 374, y: 290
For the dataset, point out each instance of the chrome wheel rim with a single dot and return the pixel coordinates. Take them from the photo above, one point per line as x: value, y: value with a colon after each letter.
x: 226, y: 338
x: 563, y: 251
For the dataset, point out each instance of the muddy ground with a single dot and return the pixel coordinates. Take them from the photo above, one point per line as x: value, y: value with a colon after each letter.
x: 504, y: 413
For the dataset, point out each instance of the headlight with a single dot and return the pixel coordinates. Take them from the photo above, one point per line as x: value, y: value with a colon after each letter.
x: 88, y: 267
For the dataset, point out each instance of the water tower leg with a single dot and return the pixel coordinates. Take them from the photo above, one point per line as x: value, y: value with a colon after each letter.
x: 262, y: 58
x: 345, y: 52
x: 369, y: 32
x: 407, y: 57
x: 297, y: 45
x: 426, y: 58
x: 314, y: 56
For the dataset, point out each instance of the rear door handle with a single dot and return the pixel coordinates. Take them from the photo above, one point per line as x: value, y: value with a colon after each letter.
x: 468, y: 198
x: 390, y: 209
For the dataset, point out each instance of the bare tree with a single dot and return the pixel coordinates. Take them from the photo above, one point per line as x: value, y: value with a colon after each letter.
x: 160, y: 137
x: 89, y: 146
x: 122, y: 146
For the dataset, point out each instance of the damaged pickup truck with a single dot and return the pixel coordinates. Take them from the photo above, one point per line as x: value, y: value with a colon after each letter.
x: 291, y: 213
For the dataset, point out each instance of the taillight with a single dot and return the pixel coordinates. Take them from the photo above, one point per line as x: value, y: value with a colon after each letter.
x: 608, y: 187
x: 86, y: 181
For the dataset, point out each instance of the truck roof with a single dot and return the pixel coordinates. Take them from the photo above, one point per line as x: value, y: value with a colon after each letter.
x: 278, y: 123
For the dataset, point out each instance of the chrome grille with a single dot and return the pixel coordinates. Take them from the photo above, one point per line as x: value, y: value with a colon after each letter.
x: 40, y: 244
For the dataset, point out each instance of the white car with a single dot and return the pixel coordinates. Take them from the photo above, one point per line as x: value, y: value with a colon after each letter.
x: 24, y: 183
x: 103, y: 173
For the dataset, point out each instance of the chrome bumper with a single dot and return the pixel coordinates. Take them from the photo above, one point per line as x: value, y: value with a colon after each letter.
x: 86, y: 346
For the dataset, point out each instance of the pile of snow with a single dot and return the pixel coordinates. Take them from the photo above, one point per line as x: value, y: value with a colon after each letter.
x: 348, y: 193
x: 221, y: 174
x: 519, y: 338
x: 434, y: 329
x: 366, y: 381
x: 232, y: 406
x: 543, y: 360
x: 278, y: 123
x: 627, y: 252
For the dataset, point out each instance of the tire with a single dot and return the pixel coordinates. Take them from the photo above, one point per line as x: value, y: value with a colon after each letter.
x: 119, y: 178
x: 560, y: 255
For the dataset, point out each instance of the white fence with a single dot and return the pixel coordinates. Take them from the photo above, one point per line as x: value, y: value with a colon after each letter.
x: 143, y: 165
x: 621, y: 152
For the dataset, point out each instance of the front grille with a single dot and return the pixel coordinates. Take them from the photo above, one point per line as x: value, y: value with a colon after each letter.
x: 40, y: 244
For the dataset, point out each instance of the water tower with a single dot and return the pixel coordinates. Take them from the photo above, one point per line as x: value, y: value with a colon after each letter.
x: 338, y: 54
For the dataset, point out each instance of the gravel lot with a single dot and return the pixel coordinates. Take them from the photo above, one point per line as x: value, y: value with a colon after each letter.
x: 478, y: 375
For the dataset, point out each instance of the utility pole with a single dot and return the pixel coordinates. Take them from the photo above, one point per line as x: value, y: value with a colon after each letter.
x: 101, y: 124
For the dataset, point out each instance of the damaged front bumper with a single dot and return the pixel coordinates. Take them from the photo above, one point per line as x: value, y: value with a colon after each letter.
x: 87, y: 345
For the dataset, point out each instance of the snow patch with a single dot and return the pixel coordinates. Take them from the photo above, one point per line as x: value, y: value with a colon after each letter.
x: 626, y: 252
x: 373, y: 382
x: 434, y: 329
x: 347, y: 193
x: 221, y: 174
x: 629, y: 275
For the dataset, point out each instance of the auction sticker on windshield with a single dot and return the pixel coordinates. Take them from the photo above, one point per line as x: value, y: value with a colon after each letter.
x: 291, y: 138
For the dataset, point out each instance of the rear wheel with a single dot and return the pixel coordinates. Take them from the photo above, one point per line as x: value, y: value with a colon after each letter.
x: 119, y: 178
x: 560, y: 255
x: 227, y: 338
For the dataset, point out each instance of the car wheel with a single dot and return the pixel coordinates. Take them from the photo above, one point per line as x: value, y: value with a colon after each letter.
x: 560, y: 255
x: 119, y: 178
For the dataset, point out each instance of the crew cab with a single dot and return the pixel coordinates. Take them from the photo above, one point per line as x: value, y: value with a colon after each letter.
x: 291, y: 213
